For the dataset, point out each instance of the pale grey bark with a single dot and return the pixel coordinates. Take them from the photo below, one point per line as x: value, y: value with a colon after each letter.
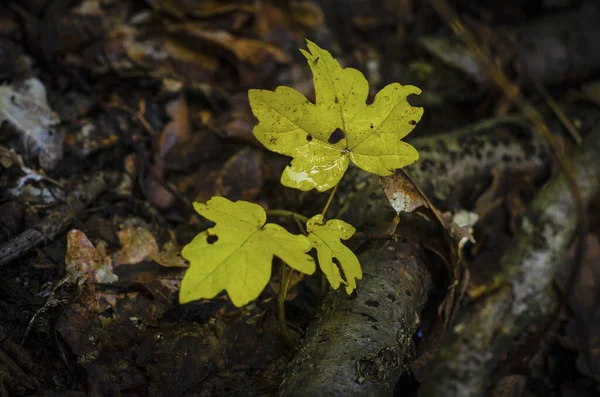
x: 360, y: 345
x: 485, y: 330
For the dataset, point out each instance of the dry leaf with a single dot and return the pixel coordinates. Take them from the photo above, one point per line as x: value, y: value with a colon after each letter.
x: 169, y: 256
x: 241, y: 176
x: 84, y: 260
x: 25, y: 107
x: 179, y: 129
x: 405, y: 196
x: 137, y: 245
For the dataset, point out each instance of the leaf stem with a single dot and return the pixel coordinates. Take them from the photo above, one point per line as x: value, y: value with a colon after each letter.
x: 287, y: 213
x: 383, y: 236
x: 284, y: 282
x: 329, y: 200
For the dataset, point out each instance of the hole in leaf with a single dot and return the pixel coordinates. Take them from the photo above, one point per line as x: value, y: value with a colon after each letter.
x: 309, y: 138
x: 412, y: 122
x: 337, y: 263
x: 336, y: 136
x: 211, y: 239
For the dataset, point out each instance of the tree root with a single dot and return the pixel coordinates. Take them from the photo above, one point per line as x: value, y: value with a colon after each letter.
x: 360, y: 345
x: 485, y: 330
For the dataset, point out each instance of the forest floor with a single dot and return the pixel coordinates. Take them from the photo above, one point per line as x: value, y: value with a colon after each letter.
x: 116, y: 116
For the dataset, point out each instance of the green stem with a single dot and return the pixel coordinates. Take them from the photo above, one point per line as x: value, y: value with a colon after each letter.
x: 329, y: 200
x: 287, y: 213
x: 286, y: 276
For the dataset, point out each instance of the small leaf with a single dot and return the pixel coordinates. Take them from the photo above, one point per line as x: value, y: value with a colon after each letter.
x: 340, y: 127
x: 326, y: 239
x: 236, y: 254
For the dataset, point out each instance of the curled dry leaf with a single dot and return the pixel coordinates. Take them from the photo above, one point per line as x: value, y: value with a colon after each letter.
x: 24, y: 105
x: 405, y: 196
x: 402, y: 193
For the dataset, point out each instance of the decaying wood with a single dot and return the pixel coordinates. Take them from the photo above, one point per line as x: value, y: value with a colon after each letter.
x: 78, y: 199
x: 360, y: 345
x: 484, y: 331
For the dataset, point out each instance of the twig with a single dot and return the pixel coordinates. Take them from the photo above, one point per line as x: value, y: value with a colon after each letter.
x: 78, y: 199
x: 559, y: 113
x: 284, y: 282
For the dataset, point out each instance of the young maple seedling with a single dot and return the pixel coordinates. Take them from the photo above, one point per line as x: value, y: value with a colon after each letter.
x: 322, y: 138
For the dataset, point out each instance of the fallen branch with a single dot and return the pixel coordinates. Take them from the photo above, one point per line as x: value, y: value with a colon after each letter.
x: 78, y: 199
x: 359, y: 346
x: 485, y: 330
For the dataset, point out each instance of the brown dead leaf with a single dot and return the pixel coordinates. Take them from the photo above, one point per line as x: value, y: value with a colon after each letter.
x: 84, y: 260
x: 285, y: 25
x: 129, y: 51
x: 157, y: 192
x: 200, y: 8
x: 255, y: 61
x: 307, y: 15
x: 241, y: 176
x: 169, y: 256
x: 239, y: 123
x: 402, y: 193
x: 137, y: 245
x: 371, y: 16
x: 405, y: 196
x: 179, y: 129
x: 246, y: 50
x: 273, y: 24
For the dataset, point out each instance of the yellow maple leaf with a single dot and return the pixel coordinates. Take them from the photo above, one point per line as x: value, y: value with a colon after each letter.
x: 323, y: 137
x: 326, y: 239
x: 236, y: 254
